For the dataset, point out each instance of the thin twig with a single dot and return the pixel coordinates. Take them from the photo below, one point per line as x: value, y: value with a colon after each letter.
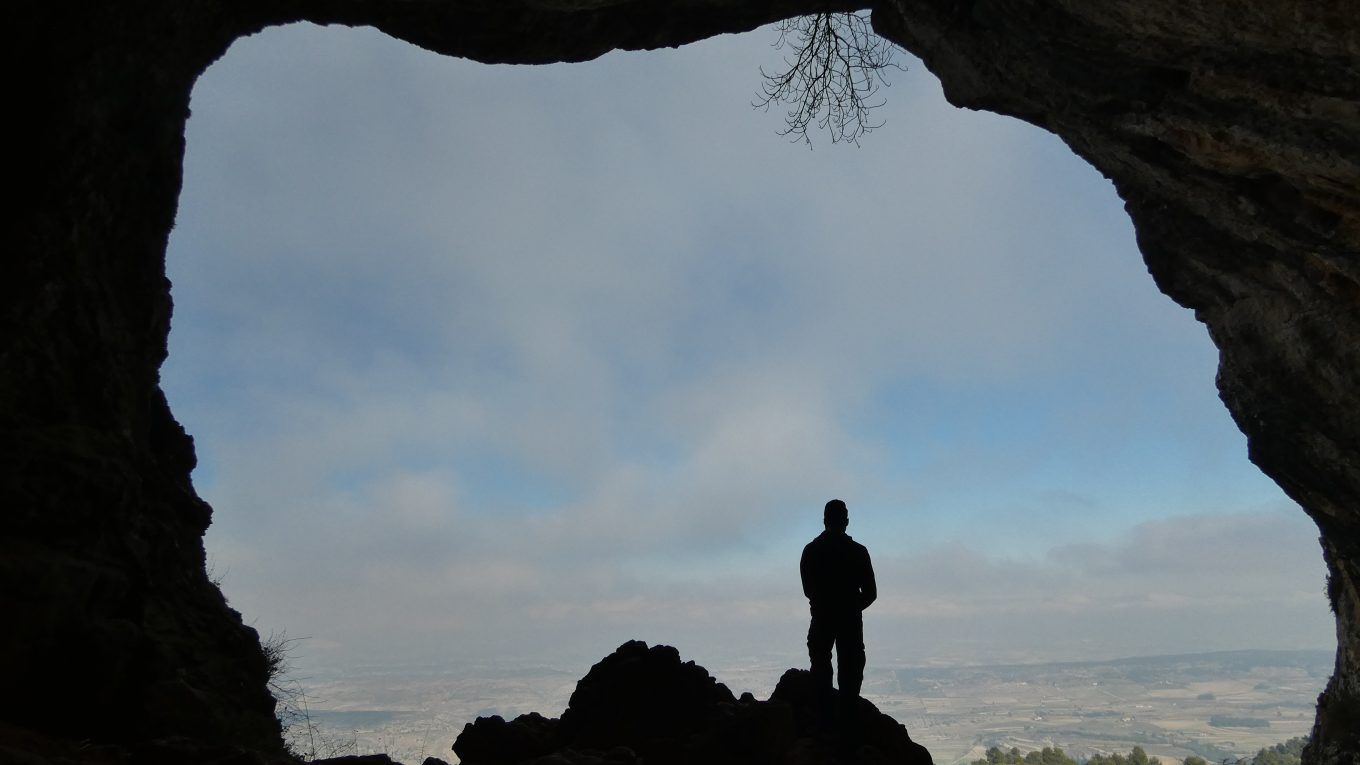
x: 833, y: 70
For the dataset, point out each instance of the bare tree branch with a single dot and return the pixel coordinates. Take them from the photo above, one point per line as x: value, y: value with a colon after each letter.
x: 833, y: 70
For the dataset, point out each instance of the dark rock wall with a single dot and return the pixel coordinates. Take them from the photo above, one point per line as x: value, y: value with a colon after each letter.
x: 1232, y: 131
x: 112, y: 630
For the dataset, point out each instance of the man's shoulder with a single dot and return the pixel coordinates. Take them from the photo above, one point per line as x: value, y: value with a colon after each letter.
x: 826, y: 543
x: 836, y: 544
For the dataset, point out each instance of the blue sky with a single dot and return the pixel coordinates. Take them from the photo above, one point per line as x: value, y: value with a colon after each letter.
x: 527, y: 361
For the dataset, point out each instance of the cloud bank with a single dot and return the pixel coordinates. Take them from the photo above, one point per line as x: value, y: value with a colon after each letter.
x: 527, y: 361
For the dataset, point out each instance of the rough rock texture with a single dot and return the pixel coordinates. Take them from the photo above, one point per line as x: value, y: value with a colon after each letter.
x: 1232, y: 130
x: 27, y: 747
x: 112, y: 629
x: 643, y: 704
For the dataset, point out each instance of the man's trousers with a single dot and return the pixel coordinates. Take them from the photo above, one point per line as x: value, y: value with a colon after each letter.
x: 844, y: 631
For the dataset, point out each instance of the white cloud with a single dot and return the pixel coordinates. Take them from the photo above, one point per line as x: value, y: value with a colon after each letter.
x: 517, y: 359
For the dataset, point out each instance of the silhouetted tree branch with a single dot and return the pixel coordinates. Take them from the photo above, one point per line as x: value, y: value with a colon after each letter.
x: 834, y: 69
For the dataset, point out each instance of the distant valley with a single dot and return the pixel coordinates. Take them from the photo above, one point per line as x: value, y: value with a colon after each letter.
x: 1212, y: 705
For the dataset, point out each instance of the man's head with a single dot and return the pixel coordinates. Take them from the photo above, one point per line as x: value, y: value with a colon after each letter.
x: 835, y: 515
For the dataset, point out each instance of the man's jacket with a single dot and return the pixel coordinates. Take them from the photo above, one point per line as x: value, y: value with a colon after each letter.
x: 837, y: 574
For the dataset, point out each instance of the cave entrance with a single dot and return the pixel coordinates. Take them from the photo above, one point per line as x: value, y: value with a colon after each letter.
x: 509, y: 362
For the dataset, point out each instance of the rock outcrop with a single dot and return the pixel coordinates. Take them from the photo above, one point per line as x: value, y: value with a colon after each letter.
x: 1231, y: 130
x: 642, y: 704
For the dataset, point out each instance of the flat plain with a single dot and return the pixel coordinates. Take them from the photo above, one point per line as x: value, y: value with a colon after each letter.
x: 1215, y: 705
x: 1221, y: 705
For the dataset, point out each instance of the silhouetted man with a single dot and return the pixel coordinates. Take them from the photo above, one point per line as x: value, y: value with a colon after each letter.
x: 838, y: 580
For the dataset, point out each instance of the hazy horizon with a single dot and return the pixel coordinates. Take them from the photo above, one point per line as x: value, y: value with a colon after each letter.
x: 528, y: 361
x: 1165, y: 704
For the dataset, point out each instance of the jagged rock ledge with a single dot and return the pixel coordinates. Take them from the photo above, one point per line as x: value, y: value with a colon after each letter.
x: 643, y: 704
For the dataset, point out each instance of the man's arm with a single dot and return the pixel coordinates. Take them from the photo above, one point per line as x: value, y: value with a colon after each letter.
x: 803, y: 569
x: 868, y: 589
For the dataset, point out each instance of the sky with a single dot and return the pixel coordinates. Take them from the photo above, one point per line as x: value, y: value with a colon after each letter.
x: 519, y: 363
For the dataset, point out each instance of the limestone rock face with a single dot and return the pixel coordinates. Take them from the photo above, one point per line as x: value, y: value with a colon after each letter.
x: 642, y: 704
x: 1231, y: 130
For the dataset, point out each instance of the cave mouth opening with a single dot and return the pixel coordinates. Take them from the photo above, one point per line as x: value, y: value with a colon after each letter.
x: 534, y: 361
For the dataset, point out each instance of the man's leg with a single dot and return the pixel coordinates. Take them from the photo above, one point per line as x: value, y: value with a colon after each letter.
x: 849, y: 675
x: 819, y: 640
x: 821, y: 635
x: 850, y: 656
